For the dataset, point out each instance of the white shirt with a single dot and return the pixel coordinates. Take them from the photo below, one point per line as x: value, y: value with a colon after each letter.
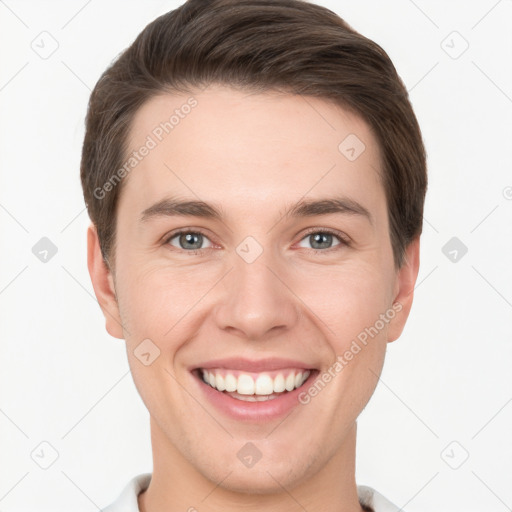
x: 127, y: 500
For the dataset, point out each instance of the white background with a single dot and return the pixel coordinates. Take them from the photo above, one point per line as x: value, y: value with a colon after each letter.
x: 65, y: 381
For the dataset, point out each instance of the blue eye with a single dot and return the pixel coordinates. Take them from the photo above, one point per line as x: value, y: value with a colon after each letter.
x: 191, y: 240
x: 324, y: 239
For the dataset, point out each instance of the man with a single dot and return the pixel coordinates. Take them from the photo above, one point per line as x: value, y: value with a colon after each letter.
x: 255, y: 177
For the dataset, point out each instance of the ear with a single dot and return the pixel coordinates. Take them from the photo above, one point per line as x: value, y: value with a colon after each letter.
x: 103, y: 284
x: 404, y: 289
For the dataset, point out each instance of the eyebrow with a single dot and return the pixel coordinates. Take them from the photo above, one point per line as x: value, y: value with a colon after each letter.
x: 171, y: 207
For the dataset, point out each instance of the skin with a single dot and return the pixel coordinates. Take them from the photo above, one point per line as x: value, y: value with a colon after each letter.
x: 254, y: 154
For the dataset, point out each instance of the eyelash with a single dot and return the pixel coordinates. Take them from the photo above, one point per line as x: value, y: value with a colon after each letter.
x: 344, y: 241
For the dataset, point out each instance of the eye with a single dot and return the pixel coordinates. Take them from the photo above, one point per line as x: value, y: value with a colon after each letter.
x: 321, y: 240
x: 189, y: 241
x: 192, y: 241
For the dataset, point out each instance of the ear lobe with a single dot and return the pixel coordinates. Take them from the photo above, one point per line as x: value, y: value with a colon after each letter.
x: 103, y: 284
x: 405, y: 283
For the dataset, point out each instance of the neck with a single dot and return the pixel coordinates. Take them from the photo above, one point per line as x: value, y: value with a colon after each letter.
x: 176, y: 485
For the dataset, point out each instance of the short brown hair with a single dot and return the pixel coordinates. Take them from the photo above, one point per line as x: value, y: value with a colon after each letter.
x: 262, y: 45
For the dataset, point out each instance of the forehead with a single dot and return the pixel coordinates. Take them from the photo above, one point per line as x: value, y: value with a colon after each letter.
x: 254, y: 150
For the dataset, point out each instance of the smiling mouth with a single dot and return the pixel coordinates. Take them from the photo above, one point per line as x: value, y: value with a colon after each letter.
x: 254, y: 387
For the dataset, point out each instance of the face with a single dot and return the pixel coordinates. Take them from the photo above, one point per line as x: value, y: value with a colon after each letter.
x: 265, y: 296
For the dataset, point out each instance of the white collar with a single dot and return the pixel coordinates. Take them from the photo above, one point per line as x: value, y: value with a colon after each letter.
x: 127, y: 500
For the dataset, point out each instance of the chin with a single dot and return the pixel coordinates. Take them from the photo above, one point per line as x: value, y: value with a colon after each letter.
x: 263, y: 478
x: 246, y: 482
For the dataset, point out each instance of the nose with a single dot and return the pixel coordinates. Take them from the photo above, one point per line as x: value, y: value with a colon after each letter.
x: 257, y: 300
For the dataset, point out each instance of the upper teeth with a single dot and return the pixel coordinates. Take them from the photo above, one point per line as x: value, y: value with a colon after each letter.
x: 262, y: 384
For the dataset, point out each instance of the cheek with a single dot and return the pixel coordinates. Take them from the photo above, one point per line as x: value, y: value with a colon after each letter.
x: 154, y: 306
x: 350, y: 304
x: 161, y: 309
x: 153, y: 298
x: 347, y: 301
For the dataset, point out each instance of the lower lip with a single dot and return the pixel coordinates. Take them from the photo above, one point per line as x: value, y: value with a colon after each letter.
x: 254, y: 411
